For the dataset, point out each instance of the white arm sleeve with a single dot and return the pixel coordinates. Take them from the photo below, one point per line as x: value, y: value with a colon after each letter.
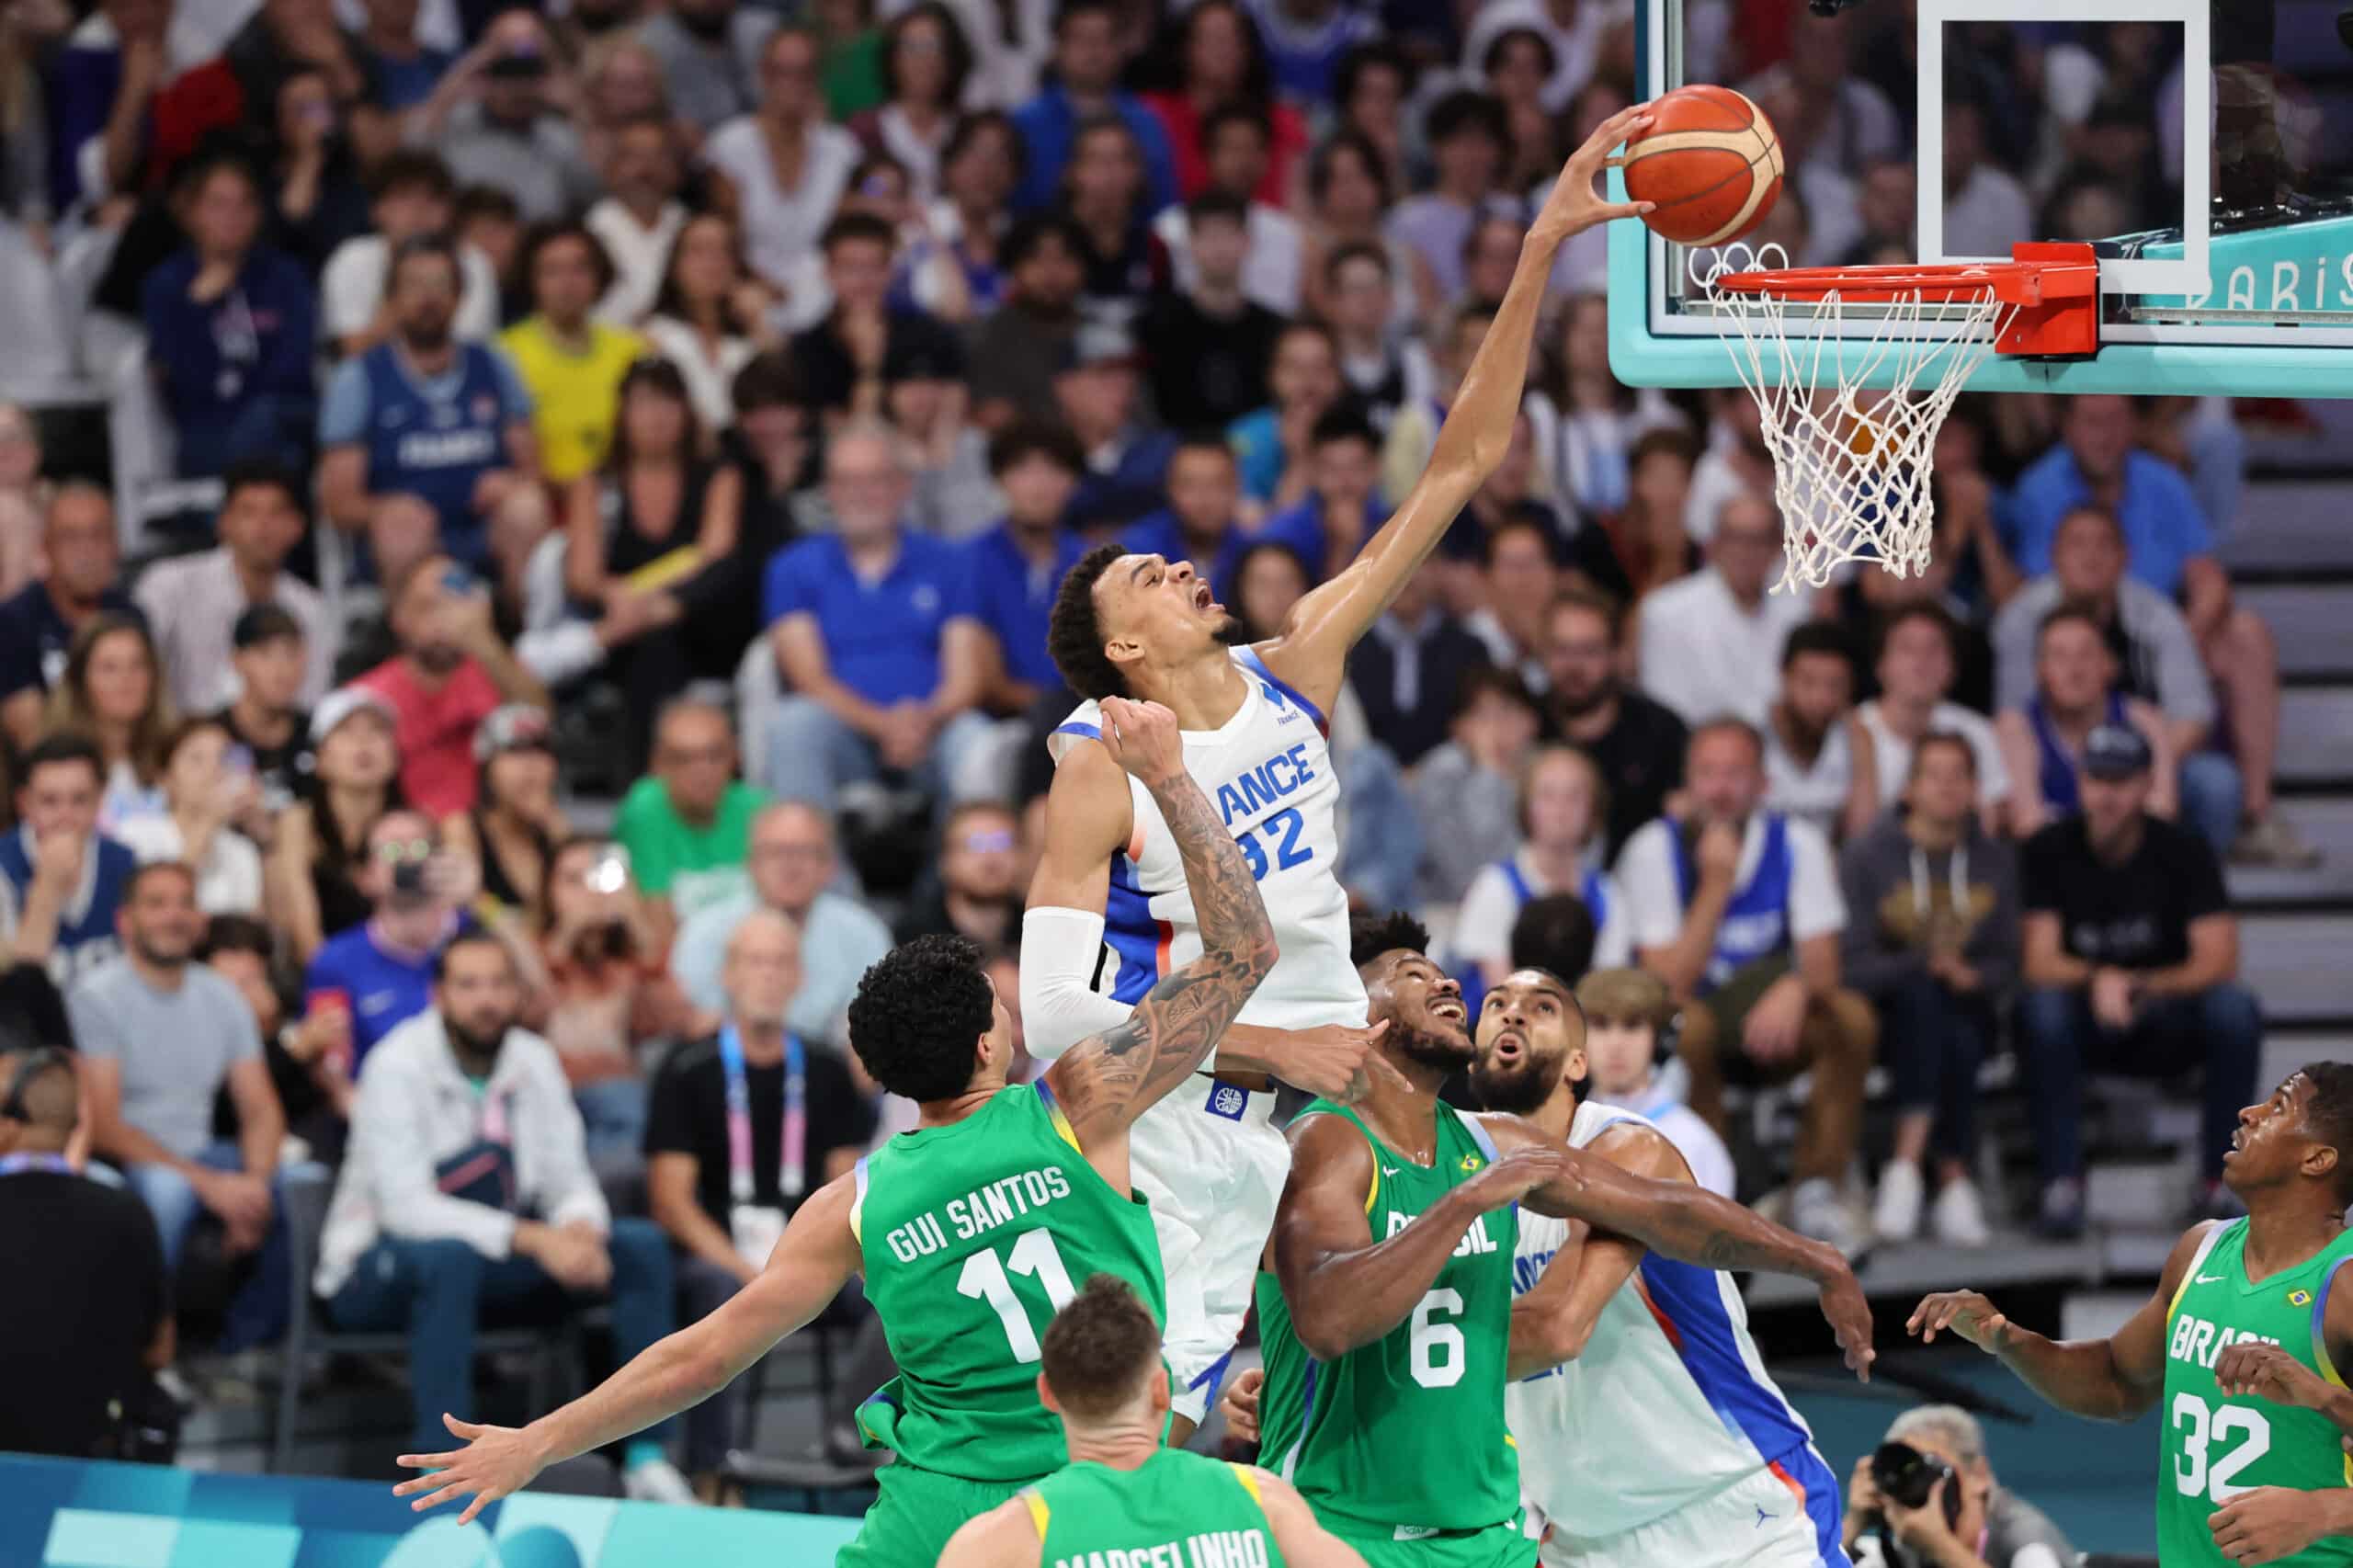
x: 1059, y: 1007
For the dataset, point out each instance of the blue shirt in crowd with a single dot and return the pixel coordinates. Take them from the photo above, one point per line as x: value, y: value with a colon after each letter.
x: 385, y: 989
x: 432, y: 438
x: 1015, y: 599
x: 236, y: 369
x: 881, y: 636
x: 1160, y: 534
x: 35, y: 639
x: 2163, y: 529
x: 1049, y: 127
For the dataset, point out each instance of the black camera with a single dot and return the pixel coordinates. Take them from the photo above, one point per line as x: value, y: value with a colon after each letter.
x: 1905, y: 1476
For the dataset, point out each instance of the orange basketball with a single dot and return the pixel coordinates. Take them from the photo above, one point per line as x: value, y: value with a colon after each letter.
x: 1710, y: 162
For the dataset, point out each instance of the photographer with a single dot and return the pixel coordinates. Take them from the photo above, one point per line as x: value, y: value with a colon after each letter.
x: 1927, y: 1499
x: 380, y: 971
x: 609, y: 993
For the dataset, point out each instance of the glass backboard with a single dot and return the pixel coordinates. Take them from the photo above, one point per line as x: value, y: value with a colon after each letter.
x: 2205, y: 147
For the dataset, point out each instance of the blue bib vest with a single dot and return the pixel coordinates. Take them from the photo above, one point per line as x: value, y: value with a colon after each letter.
x: 1756, y: 922
x: 1591, y: 888
x: 89, y: 939
x: 2055, y: 773
x: 436, y: 446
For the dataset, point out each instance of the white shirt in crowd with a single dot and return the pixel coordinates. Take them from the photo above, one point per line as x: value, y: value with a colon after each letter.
x: 1817, y: 793
x: 1491, y: 907
x: 1892, y: 753
x: 416, y: 1110
x: 352, y: 287
x: 1646, y: 872
x: 1270, y: 270
x: 228, y: 881
x: 639, y: 256
x: 1696, y: 1141
x: 710, y: 376
x: 192, y: 604
x: 1704, y: 655
x: 780, y: 227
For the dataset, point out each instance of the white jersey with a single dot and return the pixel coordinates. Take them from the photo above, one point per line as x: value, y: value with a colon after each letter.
x: 1268, y: 773
x: 1667, y: 1406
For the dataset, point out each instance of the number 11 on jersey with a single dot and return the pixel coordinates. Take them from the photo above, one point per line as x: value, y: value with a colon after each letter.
x: 983, y: 1278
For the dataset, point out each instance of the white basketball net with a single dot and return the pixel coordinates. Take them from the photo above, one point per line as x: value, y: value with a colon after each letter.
x: 1850, y: 462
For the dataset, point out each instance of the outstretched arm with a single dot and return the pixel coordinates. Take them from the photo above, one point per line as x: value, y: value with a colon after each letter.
x: 1552, y: 1322
x: 1690, y: 1224
x: 1343, y: 1286
x: 1314, y: 645
x: 2108, y: 1380
x: 816, y: 1255
x: 1106, y: 1082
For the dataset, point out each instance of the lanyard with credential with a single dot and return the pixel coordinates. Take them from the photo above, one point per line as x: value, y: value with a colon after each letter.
x: 12, y: 1164
x: 792, y: 1177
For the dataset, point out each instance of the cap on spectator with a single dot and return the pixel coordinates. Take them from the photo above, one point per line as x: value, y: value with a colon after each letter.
x: 263, y: 623
x: 2113, y: 752
x: 517, y: 726
x: 1624, y: 996
x: 1098, y: 345
x: 341, y: 704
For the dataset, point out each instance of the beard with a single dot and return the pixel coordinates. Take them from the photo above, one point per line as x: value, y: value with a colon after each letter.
x: 427, y: 338
x: 170, y: 954
x: 471, y: 1042
x: 1518, y: 1089
x: 1434, y: 1046
x: 437, y: 657
x: 1231, y: 633
x: 1571, y: 705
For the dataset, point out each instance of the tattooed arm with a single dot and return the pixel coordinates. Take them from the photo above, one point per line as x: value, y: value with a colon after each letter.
x: 1105, y: 1082
x: 1690, y: 1224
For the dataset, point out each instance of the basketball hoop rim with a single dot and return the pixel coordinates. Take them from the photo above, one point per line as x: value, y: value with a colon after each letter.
x: 2026, y: 280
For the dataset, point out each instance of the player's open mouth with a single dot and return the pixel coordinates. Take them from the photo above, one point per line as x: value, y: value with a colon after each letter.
x: 1507, y: 1045
x: 1204, y: 600
x: 1449, y: 1007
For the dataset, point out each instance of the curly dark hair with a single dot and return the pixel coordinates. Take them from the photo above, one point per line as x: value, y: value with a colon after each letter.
x: 2328, y: 1117
x: 918, y: 1011
x: 1370, y: 935
x: 1074, y: 634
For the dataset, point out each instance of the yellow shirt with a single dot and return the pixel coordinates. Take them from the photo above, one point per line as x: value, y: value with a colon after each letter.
x: 574, y: 396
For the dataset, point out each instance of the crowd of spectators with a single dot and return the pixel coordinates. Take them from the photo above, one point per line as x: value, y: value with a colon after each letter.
x: 767, y: 375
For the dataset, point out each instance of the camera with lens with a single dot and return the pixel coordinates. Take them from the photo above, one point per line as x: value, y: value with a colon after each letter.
x: 1907, y: 1477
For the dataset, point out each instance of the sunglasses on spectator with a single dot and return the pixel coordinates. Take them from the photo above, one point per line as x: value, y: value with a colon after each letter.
x: 394, y: 851
x: 981, y: 841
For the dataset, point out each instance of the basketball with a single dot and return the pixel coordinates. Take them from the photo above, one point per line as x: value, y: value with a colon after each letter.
x: 1710, y: 160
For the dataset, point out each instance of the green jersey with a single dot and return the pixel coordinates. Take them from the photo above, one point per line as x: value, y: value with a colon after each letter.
x: 1174, y: 1510
x: 2217, y: 1447
x: 1408, y: 1430
x: 972, y: 1236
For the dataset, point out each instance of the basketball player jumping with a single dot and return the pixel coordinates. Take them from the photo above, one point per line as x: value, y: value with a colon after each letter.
x: 969, y: 1229
x: 1109, y: 910
x: 1125, y: 1496
x: 2248, y: 1343
x: 1388, y: 1320
x: 1648, y: 1430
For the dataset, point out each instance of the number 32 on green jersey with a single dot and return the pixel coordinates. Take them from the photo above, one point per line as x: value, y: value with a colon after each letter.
x: 985, y: 1278
x: 2210, y: 1459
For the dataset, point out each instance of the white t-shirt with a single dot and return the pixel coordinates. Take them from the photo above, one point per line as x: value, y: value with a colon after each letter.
x: 1490, y: 906
x: 710, y: 380
x: 782, y: 226
x: 1645, y: 873
x: 640, y: 256
x: 1703, y: 656
x: 1817, y: 793
x: 353, y: 286
x: 1892, y: 753
x: 228, y: 882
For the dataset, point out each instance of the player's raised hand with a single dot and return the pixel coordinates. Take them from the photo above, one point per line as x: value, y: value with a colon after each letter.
x: 1519, y: 1172
x: 496, y: 1461
x: 1964, y: 1313
x: 1239, y: 1404
x: 1849, y: 1314
x: 1573, y: 203
x: 2252, y: 1366
x: 1142, y: 738
x: 1337, y: 1061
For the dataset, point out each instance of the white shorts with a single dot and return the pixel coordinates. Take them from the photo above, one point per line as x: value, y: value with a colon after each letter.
x: 1773, y: 1519
x: 1213, y: 1168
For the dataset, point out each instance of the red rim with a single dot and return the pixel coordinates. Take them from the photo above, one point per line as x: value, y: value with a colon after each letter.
x: 2065, y: 272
